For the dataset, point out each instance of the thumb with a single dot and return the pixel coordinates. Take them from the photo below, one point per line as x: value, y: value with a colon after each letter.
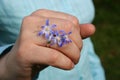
x: 86, y: 30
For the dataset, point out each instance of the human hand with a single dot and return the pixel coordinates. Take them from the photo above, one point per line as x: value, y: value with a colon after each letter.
x: 30, y: 50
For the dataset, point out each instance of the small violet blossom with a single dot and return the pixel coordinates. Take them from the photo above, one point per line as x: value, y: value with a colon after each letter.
x: 47, y: 30
x: 61, y: 38
x: 53, y: 36
x: 66, y: 38
x: 57, y: 39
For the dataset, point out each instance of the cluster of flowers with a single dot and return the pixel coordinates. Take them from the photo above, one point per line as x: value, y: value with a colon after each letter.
x: 53, y: 36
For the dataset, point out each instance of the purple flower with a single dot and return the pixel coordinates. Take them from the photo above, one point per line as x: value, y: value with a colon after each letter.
x: 57, y: 39
x: 53, y: 36
x: 65, y: 37
x: 47, y: 30
x: 61, y: 38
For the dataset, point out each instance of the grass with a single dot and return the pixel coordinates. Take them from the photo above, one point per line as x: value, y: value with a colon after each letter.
x: 107, y: 37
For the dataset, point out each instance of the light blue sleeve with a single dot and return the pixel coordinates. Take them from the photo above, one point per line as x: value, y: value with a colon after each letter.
x: 3, y: 48
x: 96, y: 68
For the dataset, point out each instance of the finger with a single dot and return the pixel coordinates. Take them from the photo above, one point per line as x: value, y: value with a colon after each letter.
x: 72, y: 21
x: 43, y: 55
x: 86, y: 30
x: 56, y: 14
x: 32, y: 25
x: 71, y: 50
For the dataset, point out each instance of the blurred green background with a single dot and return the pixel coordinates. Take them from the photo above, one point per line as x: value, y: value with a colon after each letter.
x: 107, y: 37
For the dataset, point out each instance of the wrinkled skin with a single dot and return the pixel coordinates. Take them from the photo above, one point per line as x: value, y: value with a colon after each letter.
x: 30, y: 53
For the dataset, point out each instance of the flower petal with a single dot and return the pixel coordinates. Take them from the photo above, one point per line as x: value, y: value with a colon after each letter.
x: 69, y: 32
x: 50, y: 37
x: 60, y: 43
x: 53, y: 26
x: 47, y: 36
x: 42, y: 27
x: 40, y: 33
x: 47, y: 22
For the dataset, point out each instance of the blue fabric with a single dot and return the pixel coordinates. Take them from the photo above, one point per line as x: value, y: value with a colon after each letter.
x: 2, y: 48
x: 13, y: 11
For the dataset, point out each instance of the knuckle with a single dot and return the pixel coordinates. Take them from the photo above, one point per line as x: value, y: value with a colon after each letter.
x: 77, y: 58
x: 53, y: 58
x: 40, y: 11
x: 75, y: 20
x: 81, y: 45
x: 43, y: 10
x: 27, y: 20
x: 69, y: 64
x: 68, y: 25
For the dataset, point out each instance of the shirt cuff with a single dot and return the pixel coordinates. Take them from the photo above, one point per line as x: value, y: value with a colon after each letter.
x: 5, y: 49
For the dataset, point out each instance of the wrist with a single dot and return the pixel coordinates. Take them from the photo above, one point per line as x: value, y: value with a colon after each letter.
x: 6, y: 73
x: 3, y: 70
